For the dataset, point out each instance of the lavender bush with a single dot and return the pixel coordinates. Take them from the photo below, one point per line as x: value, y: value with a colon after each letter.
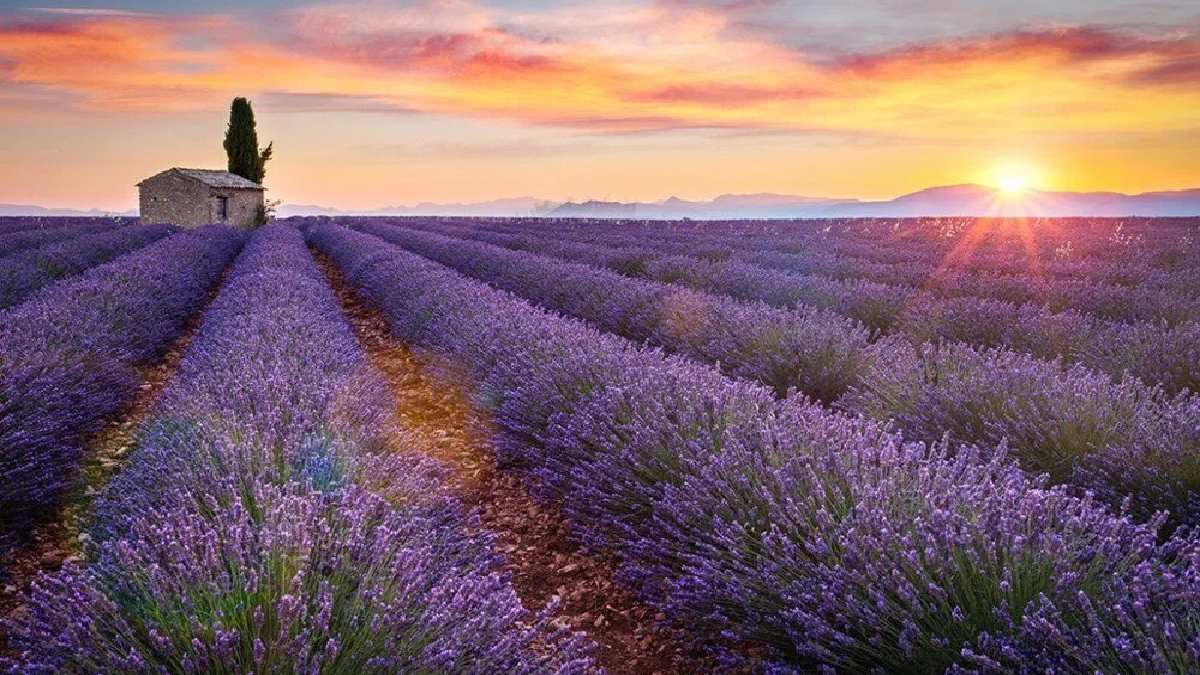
x: 305, y: 582
x: 845, y: 547
x: 67, y: 359
x: 825, y: 539
x: 812, y: 350
x: 268, y: 521
x: 20, y: 240
x: 1156, y: 352
x: 1055, y: 417
x: 23, y: 273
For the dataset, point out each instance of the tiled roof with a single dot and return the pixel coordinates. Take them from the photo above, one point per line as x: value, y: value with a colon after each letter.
x: 218, y: 179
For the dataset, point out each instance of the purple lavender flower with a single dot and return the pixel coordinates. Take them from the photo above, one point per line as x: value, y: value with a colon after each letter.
x: 67, y: 359
x: 828, y: 540
x: 268, y: 521
x: 23, y: 273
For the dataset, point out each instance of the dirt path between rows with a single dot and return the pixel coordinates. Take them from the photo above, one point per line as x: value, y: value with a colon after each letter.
x: 62, y: 538
x: 539, y: 554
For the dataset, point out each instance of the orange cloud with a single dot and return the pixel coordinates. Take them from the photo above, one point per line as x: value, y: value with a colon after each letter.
x: 657, y: 66
x: 113, y: 61
x: 720, y: 93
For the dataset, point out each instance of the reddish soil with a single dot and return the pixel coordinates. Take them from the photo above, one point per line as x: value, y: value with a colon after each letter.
x: 61, y: 538
x: 544, y: 562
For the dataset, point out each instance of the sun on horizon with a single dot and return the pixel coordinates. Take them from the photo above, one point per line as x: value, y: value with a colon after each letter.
x: 1014, y: 178
x: 1013, y: 184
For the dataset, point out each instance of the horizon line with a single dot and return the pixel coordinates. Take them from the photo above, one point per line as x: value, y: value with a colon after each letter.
x: 133, y: 207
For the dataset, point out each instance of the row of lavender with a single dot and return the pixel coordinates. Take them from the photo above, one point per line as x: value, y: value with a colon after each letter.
x: 15, y: 242
x: 10, y: 224
x: 1030, y: 278
x: 1102, y: 250
x: 1121, y: 438
x: 1156, y: 353
x: 1029, y: 274
x: 1122, y: 250
x: 823, y: 538
x: 270, y: 519
x: 68, y: 360
x: 878, y: 296
x: 23, y: 273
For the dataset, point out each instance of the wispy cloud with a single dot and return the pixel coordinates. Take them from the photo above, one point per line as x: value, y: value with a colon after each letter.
x: 324, y: 102
x: 89, y: 11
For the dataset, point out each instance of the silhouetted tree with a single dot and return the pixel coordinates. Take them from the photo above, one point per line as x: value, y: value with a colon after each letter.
x: 241, y: 143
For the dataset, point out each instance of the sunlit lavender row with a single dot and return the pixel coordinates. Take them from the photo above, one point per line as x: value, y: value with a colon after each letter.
x: 1127, y: 290
x: 1045, y: 327
x: 825, y: 538
x: 1055, y: 418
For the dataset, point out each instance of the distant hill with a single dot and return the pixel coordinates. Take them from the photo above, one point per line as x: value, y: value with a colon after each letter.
x: 516, y: 206
x: 952, y: 200
x: 31, y: 210
x: 978, y: 200
x: 725, y: 206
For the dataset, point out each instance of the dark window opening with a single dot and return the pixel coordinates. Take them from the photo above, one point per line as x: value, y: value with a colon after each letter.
x: 222, y: 208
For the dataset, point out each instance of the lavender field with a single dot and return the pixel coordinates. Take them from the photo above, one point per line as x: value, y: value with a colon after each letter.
x: 556, y: 445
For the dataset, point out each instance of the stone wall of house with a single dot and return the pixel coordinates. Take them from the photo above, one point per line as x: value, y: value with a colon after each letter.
x: 241, y: 209
x: 172, y: 198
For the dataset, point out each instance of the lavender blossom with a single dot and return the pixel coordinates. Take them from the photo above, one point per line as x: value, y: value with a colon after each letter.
x: 67, y: 359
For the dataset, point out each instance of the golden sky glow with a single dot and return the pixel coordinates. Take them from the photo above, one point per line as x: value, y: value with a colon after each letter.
x: 384, y: 103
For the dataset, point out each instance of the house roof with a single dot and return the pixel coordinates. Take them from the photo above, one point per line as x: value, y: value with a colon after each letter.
x: 214, y: 178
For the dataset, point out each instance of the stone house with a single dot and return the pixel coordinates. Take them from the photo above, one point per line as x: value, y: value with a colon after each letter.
x: 195, y: 197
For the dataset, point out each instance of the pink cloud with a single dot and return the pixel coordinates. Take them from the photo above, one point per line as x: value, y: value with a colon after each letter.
x: 1068, y: 45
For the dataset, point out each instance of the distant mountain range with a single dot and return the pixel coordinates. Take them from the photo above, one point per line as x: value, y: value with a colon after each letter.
x: 952, y: 200
x: 516, y: 206
x: 30, y: 210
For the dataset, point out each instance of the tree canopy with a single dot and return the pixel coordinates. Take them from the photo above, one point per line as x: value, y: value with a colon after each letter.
x: 246, y: 159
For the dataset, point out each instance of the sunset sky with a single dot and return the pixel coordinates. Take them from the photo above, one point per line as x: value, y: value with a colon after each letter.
x: 377, y: 103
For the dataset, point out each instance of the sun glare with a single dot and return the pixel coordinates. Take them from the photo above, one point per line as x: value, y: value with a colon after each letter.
x: 1013, y: 184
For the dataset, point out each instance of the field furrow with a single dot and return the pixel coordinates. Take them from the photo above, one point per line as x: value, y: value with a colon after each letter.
x: 434, y: 408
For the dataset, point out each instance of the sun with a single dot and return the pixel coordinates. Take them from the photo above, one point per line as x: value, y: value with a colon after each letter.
x: 1012, y: 184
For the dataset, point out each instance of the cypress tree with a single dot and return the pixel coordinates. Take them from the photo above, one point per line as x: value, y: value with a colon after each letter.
x: 241, y: 143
